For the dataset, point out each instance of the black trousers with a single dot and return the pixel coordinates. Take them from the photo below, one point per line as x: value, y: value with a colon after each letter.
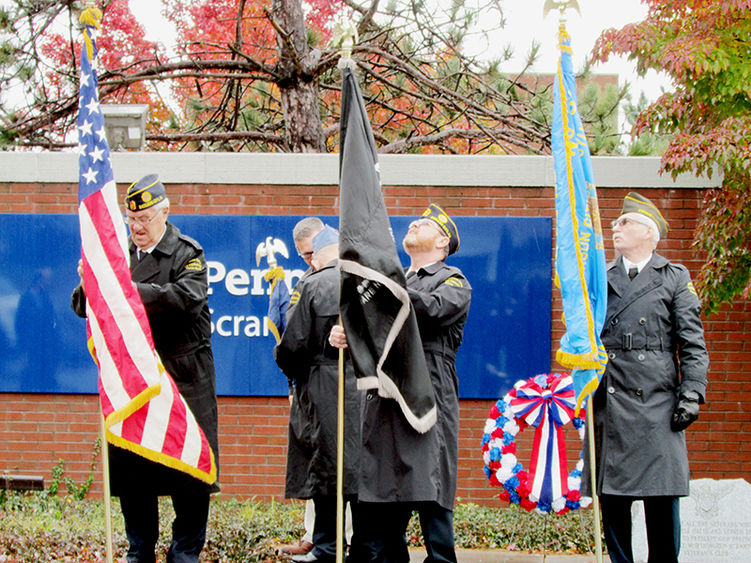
x: 383, y: 528
x: 662, y: 516
x: 324, y: 528
x: 141, y: 515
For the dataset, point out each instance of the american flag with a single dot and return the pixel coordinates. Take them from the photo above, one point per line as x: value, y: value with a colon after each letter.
x: 143, y: 410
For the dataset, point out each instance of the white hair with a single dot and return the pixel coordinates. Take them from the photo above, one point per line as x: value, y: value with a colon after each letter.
x: 161, y: 205
x: 307, y: 227
x: 654, y: 230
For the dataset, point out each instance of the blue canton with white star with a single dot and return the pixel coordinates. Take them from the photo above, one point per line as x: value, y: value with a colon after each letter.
x: 94, y: 168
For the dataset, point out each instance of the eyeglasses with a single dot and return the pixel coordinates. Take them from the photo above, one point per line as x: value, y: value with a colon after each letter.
x: 143, y: 221
x: 625, y: 222
x: 424, y: 221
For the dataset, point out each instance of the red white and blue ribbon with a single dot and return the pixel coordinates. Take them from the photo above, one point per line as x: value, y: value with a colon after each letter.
x: 501, y: 465
x: 548, y: 409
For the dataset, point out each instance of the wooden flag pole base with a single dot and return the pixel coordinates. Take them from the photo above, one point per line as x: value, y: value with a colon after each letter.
x: 340, y: 462
x: 106, y: 492
x: 592, y: 467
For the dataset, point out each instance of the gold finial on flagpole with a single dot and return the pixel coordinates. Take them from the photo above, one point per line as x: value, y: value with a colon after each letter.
x: 91, y: 14
x: 561, y: 6
x: 345, y: 34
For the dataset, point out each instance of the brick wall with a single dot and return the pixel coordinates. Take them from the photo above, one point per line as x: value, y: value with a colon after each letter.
x: 38, y: 430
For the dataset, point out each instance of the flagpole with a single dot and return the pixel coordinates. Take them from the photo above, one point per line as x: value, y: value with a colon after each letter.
x: 562, y: 6
x: 593, y: 478
x: 340, y: 460
x: 345, y: 33
x: 106, y: 487
x: 92, y: 16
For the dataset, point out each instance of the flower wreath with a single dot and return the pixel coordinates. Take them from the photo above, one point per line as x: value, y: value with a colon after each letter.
x: 546, y: 402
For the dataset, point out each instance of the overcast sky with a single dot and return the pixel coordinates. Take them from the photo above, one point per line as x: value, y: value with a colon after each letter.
x: 525, y: 23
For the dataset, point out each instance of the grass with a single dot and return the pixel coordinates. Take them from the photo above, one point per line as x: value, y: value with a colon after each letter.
x: 44, y: 527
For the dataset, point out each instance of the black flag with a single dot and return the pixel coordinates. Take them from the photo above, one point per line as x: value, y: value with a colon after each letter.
x: 377, y: 315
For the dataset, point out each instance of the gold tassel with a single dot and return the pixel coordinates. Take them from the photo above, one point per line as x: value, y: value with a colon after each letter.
x: 90, y: 16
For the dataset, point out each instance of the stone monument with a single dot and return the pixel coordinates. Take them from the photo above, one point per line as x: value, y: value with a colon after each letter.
x: 715, y: 523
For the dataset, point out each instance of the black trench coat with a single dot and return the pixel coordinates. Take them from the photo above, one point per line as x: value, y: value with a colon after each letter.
x: 399, y: 464
x: 655, y: 342
x: 173, y: 284
x: 306, y: 358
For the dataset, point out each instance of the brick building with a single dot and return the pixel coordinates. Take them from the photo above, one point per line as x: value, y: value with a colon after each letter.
x: 38, y: 429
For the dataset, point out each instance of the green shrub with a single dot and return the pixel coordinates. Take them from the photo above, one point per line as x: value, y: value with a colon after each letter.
x: 515, y: 529
x: 77, y: 491
x: 250, y: 531
x: 36, y: 526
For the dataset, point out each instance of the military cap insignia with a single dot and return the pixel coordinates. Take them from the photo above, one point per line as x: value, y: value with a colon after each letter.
x: 454, y: 282
x: 194, y: 264
x: 445, y: 223
x: 637, y: 203
x: 145, y: 193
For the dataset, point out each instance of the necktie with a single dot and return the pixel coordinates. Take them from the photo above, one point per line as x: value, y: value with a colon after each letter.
x: 632, y: 272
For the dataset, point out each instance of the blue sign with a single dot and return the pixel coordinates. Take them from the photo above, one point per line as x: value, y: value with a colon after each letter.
x: 43, y: 343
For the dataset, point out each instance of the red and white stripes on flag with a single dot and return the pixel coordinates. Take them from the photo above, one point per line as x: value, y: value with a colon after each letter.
x: 143, y: 410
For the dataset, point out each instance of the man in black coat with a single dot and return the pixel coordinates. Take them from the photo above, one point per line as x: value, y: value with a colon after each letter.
x: 302, y: 235
x: 306, y: 357
x: 655, y: 379
x: 401, y: 469
x: 169, y: 271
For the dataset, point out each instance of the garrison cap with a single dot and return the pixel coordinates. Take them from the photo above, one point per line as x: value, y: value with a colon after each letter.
x: 446, y: 224
x: 325, y: 237
x: 145, y: 193
x: 637, y: 203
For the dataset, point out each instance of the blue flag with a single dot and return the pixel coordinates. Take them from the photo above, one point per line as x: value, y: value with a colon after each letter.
x: 580, y: 252
x: 278, y: 302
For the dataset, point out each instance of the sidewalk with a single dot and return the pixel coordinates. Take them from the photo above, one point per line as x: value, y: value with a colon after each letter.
x: 500, y: 556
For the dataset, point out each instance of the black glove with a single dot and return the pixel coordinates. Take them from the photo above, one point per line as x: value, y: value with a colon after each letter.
x: 686, y: 411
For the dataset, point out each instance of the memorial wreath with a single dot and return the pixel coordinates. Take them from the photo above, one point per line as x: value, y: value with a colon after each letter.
x: 546, y: 402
